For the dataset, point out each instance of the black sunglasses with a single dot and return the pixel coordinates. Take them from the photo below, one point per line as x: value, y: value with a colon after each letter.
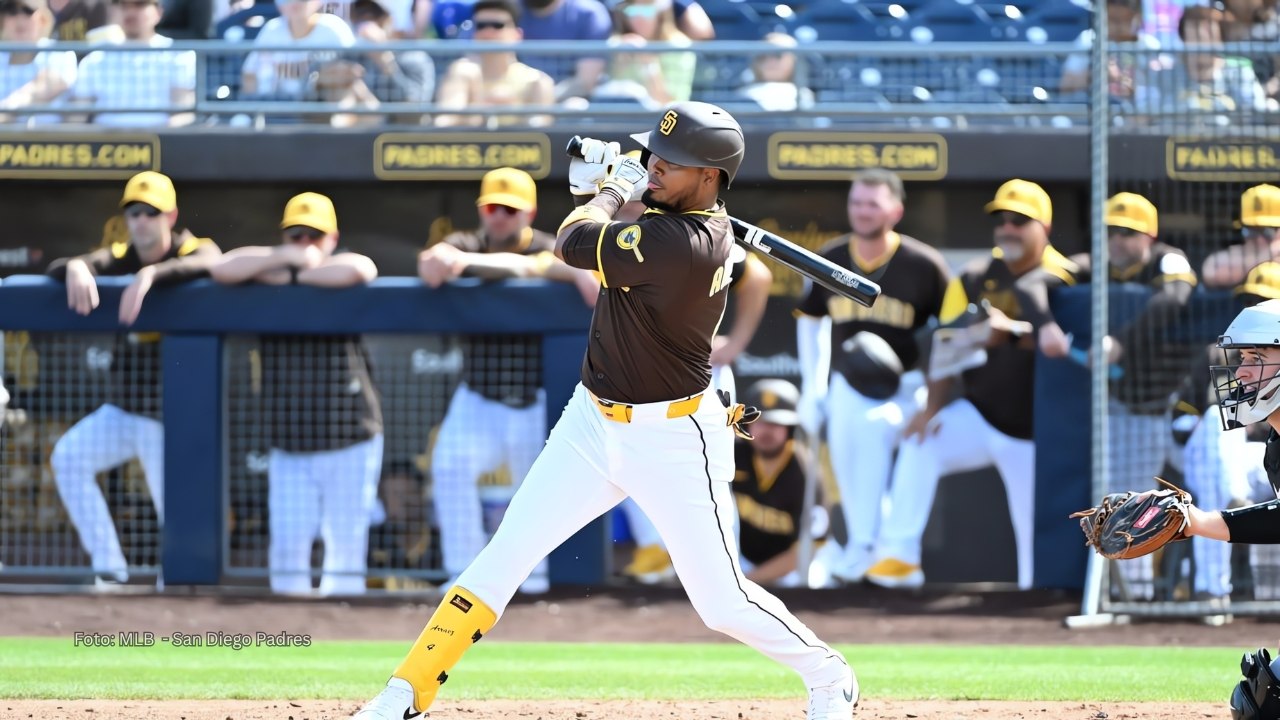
x: 490, y: 25
x: 300, y: 233
x: 492, y: 209
x: 1121, y: 231
x: 1005, y: 216
x: 16, y: 9
x: 137, y: 210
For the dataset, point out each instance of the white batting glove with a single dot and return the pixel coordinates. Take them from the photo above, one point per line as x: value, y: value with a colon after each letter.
x: 586, y: 173
x: 626, y: 176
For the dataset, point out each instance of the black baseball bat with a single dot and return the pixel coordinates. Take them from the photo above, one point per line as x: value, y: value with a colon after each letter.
x: 829, y: 275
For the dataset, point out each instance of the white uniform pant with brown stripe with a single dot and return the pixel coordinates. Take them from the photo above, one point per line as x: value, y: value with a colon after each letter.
x: 678, y: 470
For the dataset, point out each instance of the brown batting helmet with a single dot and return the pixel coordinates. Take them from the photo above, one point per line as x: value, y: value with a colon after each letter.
x: 696, y: 134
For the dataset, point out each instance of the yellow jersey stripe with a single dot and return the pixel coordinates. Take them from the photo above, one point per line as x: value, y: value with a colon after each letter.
x: 599, y: 265
x: 954, y: 302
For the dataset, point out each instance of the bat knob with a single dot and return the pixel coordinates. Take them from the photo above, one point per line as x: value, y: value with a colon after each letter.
x: 574, y: 148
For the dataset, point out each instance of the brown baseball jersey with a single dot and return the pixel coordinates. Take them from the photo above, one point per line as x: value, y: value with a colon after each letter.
x: 913, y: 280
x: 1001, y: 388
x: 318, y: 392
x: 135, y: 360
x: 504, y: 368
x: 664, y: 279
x: 769, y: 506
x: 74, y: 21
x: 1153, y: 367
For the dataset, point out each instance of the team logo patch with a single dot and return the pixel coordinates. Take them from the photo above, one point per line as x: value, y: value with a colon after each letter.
x: 668, y: 122
x: 461, y: 603
x: 629, y: 239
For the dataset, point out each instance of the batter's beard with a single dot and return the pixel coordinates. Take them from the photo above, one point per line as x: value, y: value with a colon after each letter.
x: 648, y: 200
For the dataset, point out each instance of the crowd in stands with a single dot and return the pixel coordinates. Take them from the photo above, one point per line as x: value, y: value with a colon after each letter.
x: 1170, y: 66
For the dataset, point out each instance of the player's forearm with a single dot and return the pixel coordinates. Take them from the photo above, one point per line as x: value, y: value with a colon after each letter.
x: 939, y: 394
x: 750, y: 300
x: 189, y: 267
x: 245, y: 264
x: 340, y: 273
x: 97, y: 262
x: 1163, y: 307
x: 1253, y: 525
x: 499, y: 266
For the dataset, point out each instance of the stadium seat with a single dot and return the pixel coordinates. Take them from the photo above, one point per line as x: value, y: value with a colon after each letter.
x: 734, y: 20
x: 1061, y: 20
x: 849, y: 22
x: 951, y: 21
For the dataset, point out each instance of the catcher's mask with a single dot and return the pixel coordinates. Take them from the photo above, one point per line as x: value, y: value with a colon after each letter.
x: 1257, y: 696
x: 695, y: 134
x: 1247, y: 385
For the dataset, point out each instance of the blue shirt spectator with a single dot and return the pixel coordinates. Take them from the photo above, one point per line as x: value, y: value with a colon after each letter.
x: 567, y: 20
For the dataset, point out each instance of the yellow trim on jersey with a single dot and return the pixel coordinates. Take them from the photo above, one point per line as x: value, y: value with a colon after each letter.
x: 526, y: 239
x: 1059, y: 265
x: 118, y: 249
x: 1126, y: 273
x: 873, y: 264
x: 708, y: 213
x: 599, y: 264
x: 1176, y: 277
x: 191, y: 244
x: 765, y: 480
x: 954, y: 302
x: 584, y: 213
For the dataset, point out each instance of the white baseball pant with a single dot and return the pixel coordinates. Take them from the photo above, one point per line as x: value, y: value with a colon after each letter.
x: 862, y: 434
x: 479, y: 436
x: 960, y: 440
x: 642, y: 530
x: 104, y: 439
x: 1137, y: 448
x: 678, y: 470
x: 331, y: 494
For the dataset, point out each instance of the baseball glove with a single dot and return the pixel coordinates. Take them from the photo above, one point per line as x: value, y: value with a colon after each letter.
x: 1132, y: 524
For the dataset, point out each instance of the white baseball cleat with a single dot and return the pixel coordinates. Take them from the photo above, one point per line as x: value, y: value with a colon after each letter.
x: 395, y: 702
x: 835, y: 701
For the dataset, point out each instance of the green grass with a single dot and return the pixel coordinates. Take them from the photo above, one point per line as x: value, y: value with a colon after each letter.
x: 54, y: 668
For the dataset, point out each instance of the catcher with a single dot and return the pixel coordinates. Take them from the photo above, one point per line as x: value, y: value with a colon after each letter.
x: 1127, y: 525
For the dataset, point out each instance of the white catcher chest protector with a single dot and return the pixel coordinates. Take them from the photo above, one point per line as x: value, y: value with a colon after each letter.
x: 1243, y: 404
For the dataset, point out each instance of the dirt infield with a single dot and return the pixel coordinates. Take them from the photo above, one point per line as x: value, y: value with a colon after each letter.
x: 617, y: 710
x: 860, y: 615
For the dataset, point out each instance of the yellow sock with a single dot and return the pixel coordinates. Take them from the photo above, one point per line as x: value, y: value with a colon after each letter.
x: 460, y: 621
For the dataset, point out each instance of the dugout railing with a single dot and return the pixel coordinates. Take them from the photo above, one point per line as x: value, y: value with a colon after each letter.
x: 213, y: 532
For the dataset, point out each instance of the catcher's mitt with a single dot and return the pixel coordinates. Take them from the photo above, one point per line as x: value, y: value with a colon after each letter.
x: 1132, y: 524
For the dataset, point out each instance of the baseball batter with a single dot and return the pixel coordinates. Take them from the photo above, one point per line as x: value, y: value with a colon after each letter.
x: 991, y: 423
x: 497, y: 415
x: 644, y: 421
x: 157, y: 254
x: 866, y: 414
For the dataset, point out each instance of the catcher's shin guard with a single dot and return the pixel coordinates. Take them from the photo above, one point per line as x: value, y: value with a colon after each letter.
x: 1257, y: 697
x: 460, y: 621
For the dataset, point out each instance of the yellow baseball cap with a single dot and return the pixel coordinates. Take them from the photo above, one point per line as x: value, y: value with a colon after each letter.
x: 1025, y: 197
x: 311, y: 210
x: 1263, y: 281
x: 1260, y: 206
x: 151, y: 188
x: 510, y: 187
x: 1128, y: 210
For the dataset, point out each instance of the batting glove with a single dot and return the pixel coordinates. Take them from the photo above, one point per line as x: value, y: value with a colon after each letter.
x: 625, y: 176
x: 586, y: 173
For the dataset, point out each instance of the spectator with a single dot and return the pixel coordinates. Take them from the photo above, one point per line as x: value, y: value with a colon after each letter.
x: 1259, y: 227
x: 74, y: 19
x: 567, y: 20
x: 693, y: 21
x: 127, y: 427
x: 769, y: 485
x: 31, y: 78
x: 286, y: 75
x: 380, y: 75
x: 991, y: 422
x: 860, y: 367
x: 658, y: 77
x: 1208, y: 82
x: 138, y: 79
x: 1139, y: 441
x: 1126, y: 84
x: 494, y: 79
x: 773, y: 78
x: 324, y: 414
x: 246, y: 23
x: 497, y: 415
